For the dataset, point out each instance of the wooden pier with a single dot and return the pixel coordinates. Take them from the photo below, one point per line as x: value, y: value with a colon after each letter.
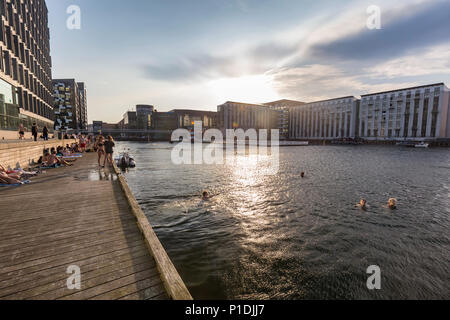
x: 81, y: 216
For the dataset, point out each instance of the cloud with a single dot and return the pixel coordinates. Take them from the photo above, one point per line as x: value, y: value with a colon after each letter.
x: 319, y: 82
x: 410, y: 27
x: 336, y: 55
x: 430, y: 61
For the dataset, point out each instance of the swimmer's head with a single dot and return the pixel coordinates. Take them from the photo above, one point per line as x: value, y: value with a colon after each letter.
x: 363, y: 202
x: 392, y: 203
x: 302, y: 174
x: 205, y: 194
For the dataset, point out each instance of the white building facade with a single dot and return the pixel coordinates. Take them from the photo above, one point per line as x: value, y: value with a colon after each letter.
x: 324, y: 120
x: 418, y: 113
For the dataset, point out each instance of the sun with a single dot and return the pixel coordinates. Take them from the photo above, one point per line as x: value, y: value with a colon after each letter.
x: 252, y: 89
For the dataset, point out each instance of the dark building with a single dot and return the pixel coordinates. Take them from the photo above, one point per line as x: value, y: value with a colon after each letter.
x: 25, y: 66
x: 237, y: 115
x: 70, y: 105
x: 129, y: 121
x: 187, y: 118
x: 82, y: 110
x: 66, y: 105
x: 144, y: 116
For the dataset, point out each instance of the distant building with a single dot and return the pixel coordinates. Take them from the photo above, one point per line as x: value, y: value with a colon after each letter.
x: 129, y: 120
x: 164, y: 123
x: 25, y: 67
x: 66, y: 105
x: 237, y: 115
x: 82, y: 96
x: 144, y: 116
x: 324, y: 120
x: 70, y: 105
x: 187, y: 118
x: 97, y: 127
x: 282, y: 106
x: 417, y: 113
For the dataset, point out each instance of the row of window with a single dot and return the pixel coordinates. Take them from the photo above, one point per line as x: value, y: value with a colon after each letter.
x: 30, y: 22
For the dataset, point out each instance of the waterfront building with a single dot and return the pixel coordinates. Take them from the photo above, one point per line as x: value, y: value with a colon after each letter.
x: 417, y: 113
x: 25, y: 67
x: 187, y: 118
x: 67, y: 105
x: 82, y: 98
x: 282, y: 106
x: 324, y: 120
x: 144, y: 116
x: 129, y: 120
x: 238, y: 115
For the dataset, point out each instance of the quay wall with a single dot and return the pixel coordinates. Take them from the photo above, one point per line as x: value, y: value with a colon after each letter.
x: 21, y: 154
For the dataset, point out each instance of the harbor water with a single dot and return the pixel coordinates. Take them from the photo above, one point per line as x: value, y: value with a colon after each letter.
x: 284, y: 237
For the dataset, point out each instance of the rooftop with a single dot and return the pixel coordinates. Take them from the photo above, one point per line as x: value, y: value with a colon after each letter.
x: 285, y: 102
x: 411, y: 88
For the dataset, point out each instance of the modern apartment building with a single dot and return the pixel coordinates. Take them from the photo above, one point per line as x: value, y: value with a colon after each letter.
x: 237, y: 115
x: 418, y: 113
x: 324, y: 120
x: 82, y: 109
x: 282, y: 106
x: 25, y: 67
x: 66, y: 105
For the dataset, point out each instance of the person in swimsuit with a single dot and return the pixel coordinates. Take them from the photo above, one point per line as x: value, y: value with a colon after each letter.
x: 109, y: 149
x: 21, y: 132
x: 100, y: 149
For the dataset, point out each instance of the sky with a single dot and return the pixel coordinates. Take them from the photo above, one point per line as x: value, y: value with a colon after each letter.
x: 198, y: 54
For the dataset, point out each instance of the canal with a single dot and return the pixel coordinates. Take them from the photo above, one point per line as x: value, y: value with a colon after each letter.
x: 284, y: 237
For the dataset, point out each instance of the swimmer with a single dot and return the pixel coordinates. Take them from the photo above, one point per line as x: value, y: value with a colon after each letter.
x: 302, y: 174
x: 392, y: 204
x: 363, y: 204
x: 205, y: 196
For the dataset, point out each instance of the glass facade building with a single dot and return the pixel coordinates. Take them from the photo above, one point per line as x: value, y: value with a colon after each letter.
x: 25, y: 65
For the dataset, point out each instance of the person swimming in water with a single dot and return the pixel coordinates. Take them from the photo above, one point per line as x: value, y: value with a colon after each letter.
x: 302, y: 174
x: 205, y: 196
x: 363, y: 204
x: 392, y: 204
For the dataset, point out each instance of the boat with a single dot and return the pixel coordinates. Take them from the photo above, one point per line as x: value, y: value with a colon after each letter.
x: 125, y: 160
x: 422, y: 145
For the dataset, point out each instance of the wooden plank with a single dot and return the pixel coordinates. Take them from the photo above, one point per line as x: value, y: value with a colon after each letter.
x: 70, y: 216
x: 172, y: 281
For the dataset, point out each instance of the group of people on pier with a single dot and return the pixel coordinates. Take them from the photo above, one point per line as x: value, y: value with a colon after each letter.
x: 61, y: 156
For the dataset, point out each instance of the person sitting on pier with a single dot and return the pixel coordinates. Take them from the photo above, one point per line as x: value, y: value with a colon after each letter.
x: 6, y: 179
x: 15, y: 175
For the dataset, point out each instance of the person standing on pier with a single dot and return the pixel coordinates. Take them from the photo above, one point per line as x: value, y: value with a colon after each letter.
x: 100, y: 149
x: 34, y: 131
x: 45, y: 133
x: 21, y: 132
x: 109, y: 149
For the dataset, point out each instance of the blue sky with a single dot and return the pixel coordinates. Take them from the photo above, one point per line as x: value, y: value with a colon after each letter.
x: 200, y: 53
